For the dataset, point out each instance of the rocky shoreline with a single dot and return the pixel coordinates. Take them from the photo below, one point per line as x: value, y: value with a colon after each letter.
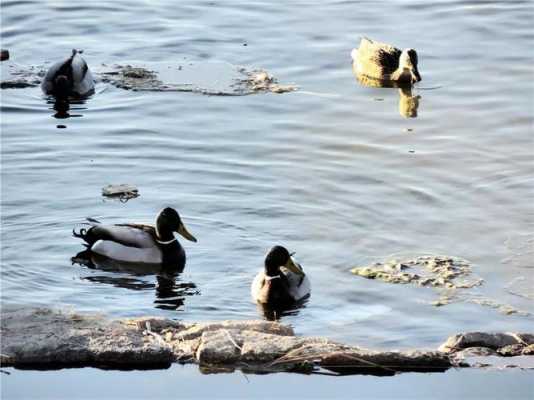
x: 41, y: 338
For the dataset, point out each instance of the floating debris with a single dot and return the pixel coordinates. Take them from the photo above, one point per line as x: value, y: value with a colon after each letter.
x: 502, y: 308
x: 210, y: 78
x: 449, y: 275
x: 15, y: 76
x: 432, y: 271
x: 123, y: 192
x: 262, y: 81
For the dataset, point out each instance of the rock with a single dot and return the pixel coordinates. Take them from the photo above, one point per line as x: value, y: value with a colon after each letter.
x: 43, y: 338
x: 222, y: 346
x: 511, y: 350
x: 49, y: 339
x: 4, y: 55
x: 493, y: 341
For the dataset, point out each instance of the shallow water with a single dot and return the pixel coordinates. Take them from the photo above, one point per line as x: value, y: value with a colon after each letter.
x: 188, y: 383
x: 333, y: 172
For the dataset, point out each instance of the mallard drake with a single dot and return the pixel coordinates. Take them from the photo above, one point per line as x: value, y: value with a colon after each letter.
x: 385, y: 62
x: 281, y: 281
x: 69, y: 78
x: 139, y: 243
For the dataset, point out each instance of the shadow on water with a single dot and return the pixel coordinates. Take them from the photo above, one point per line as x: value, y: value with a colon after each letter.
x: 171, y: 292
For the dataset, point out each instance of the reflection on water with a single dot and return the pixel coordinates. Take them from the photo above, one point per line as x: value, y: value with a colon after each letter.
x: 272, y: 313
x: 62, y: 107
x: 408, y: 102
x: 170, y: 291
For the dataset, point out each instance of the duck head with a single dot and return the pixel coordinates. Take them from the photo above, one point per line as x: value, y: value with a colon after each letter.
x: 408, y: 63
x: 278, y: 257
x: 167, y: 222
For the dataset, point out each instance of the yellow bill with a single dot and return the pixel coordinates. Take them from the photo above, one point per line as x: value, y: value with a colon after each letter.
x: 293, y: 267
x: 185, y: 233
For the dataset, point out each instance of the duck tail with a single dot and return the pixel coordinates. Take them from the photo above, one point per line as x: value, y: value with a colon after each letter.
x: 86, y: 235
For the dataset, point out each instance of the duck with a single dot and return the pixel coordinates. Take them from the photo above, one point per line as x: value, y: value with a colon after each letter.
x: 282, y: 281
x: 385, y: 62
x: 69, y: 78
x: 139, y: 243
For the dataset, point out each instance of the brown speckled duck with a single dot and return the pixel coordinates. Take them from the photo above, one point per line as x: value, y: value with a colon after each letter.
x: 384, y: 62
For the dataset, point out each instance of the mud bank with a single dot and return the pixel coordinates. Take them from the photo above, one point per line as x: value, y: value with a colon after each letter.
x: 49, y: 339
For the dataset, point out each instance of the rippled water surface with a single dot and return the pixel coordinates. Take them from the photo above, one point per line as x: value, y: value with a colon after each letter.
x: 333, y: 171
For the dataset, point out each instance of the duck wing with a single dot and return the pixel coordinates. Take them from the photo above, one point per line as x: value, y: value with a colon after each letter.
x: 376, y: 59
x: 299, y: 285
x: 131, y: 235
x: 83, y: 82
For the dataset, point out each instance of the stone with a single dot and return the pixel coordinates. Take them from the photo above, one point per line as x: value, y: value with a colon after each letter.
x: 43, y: 338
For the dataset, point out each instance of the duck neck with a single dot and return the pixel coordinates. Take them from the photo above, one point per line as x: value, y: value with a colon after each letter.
x: 272, y: 272
x: 164, y: 235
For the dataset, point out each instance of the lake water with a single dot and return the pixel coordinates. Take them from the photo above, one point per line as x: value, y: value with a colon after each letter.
x: 333, y: 171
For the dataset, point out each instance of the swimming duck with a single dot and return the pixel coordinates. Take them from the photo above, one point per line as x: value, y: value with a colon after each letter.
x: 282, y: 281
x: 139, y: 243
x: 70, y: 77
x: 382, y: 61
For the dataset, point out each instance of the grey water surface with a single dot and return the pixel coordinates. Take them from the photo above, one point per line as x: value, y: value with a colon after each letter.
x: 332, y: 171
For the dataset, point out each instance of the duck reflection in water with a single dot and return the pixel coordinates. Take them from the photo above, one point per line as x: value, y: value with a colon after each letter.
x: 62, y: 107
x: 408, y: 102
x: 171, y: 292
x: 276, y: 312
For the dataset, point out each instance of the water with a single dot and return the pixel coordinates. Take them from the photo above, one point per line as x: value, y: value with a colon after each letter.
x: 333, y: 172
x: 190, y: 384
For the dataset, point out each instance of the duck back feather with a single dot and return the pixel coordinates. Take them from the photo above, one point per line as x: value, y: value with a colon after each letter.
x: 79, y: 81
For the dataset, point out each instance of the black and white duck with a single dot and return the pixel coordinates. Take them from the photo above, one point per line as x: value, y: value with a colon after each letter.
x: 139, y: 243
x: 69, y: 78
x: 281, y: 281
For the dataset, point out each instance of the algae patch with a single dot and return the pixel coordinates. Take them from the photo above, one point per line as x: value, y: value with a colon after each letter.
x: 431, y: 271
x: 452, y: 277
x: 210, y: 78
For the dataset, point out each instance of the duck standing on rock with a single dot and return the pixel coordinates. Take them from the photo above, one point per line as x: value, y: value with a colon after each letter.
x: 386, y: 63
x: 139, y: 243
x: 69, y: 78
x: 281, y: 282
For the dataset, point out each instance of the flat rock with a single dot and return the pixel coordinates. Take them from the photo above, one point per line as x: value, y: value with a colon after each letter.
x: 43, y: 338
x: 493, y: 341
